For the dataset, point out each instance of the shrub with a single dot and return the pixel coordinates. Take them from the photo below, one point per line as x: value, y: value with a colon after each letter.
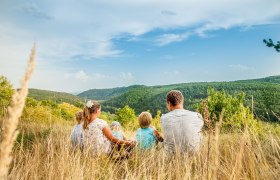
x: 6, y: 92
x: 235, y: 116
x: 125, y: 115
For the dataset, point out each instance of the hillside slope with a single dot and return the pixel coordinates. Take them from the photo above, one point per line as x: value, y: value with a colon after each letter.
x: 57, y: 97
x: 266, y: 93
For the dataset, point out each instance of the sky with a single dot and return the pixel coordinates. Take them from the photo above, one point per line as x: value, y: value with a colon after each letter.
x: 94, y: 44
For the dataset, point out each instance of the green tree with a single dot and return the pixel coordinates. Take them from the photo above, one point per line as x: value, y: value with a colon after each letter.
x: 125, y: 115
x: 156, y: 120
x: 6, y: 92
x: 235, y: 115
x: 269, y: 43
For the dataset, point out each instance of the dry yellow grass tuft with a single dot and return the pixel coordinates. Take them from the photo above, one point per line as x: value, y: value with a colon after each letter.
x: 10, y: 122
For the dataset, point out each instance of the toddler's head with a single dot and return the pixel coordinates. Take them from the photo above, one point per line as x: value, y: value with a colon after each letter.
x: 145, y: 119
x: 79, y: 117
x: 115, y: 126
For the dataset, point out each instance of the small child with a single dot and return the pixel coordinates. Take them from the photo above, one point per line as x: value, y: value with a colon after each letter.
x: 77, y: 134
x: 146, y: 136
x: 117, y: 130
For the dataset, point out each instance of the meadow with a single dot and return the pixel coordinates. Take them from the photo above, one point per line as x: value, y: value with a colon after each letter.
x: 43, y: 151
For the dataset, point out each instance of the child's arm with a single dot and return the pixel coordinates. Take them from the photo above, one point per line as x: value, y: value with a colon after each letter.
x: 158, y: 136
x: 108, y: 133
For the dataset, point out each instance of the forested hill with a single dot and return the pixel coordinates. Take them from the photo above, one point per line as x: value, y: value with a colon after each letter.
x: 266, y: 93
x: 105, y: 94
x: 58, y: 97
x: 270, y: 79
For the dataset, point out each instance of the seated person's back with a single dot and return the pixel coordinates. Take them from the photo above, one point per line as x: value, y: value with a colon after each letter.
x: 181, y: 127
x: 181, y: 130
x: 146, y: 136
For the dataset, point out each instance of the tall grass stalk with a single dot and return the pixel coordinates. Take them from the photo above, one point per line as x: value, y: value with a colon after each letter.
x: 10, y: 121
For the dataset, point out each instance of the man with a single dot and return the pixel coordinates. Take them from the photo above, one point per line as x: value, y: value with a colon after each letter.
x: 181, y: 128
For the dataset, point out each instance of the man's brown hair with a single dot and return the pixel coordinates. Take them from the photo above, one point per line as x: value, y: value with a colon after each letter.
x: 175, y: 97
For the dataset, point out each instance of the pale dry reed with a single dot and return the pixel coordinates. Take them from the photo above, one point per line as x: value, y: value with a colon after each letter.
x: 10, y: 121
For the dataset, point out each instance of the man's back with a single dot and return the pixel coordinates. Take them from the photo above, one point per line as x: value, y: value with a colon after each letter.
x: 181, y: 130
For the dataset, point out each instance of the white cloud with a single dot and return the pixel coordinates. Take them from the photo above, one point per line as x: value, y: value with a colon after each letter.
x: 172, y: 73
x: 36, y: 11
x: 84, y: 77
x: 170, y: 38
x: 81, y: 75
x: 168, y: 13
x: 240, y: 67
x: 126, y: 76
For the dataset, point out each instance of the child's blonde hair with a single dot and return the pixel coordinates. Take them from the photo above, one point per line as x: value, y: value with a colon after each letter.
x: 145, y: 119
x: 79, y: 117
x: 115, y: 126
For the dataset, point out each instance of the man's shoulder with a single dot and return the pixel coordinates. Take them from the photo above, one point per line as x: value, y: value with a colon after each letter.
x: 180, y: 113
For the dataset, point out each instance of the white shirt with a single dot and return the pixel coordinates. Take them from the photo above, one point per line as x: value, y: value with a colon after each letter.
x: 181, y: 129
x: 77, y: 136
x: 95, y: 139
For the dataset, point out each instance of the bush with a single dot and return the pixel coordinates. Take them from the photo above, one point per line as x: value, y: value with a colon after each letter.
x: 68, y: 111
x: 6, y: 92
x: 235, y: 114
x: 125, y: 115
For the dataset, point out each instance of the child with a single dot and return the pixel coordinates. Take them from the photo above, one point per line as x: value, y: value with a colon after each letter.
x: 119, y: 151
x: 77, y: 134
x: 146, y: 136
x: 116, y: 129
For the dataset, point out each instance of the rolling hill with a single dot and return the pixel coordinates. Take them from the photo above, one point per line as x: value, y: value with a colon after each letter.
x: 266, y: 93
x: 57, y: 97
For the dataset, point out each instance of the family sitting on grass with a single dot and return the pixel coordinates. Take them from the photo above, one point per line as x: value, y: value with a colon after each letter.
x: 181, y: 130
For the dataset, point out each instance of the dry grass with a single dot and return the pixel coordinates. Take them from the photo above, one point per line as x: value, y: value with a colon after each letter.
x: 10, y: 121
x: 230, y: 156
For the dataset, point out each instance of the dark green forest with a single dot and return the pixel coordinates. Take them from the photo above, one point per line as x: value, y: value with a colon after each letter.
x: 56, y: 97
x: 265, y: 93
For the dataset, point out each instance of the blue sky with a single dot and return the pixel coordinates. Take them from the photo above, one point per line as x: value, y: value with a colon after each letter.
x: 90, y: 44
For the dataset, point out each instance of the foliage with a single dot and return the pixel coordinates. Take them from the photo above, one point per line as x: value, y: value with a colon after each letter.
x: 48, y: 112
x: 107, y: 116
x: 103, y: 94
x: 56, y: 97
x: 156, y: 121
x: 269, y: 43
x: 235, y: 115
x: 6, y: 92
x: 266, y: 93
x: 125, y: 115
x: 68, y: 111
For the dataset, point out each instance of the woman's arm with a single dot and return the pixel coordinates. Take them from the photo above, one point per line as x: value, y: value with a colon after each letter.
x: 108, y: 133
x: 124, y: 136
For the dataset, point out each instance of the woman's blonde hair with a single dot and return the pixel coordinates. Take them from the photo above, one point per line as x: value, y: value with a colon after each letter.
x: 145, y: 119
x: 90, y: 108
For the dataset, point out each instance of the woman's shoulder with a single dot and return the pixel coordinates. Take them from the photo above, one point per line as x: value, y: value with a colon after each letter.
x: 101, y: 123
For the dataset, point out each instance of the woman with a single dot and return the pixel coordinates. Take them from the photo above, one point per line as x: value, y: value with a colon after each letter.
x: 98, y: 136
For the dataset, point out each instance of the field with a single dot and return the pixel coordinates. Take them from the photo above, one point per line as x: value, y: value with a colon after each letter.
x: 43, y: 151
